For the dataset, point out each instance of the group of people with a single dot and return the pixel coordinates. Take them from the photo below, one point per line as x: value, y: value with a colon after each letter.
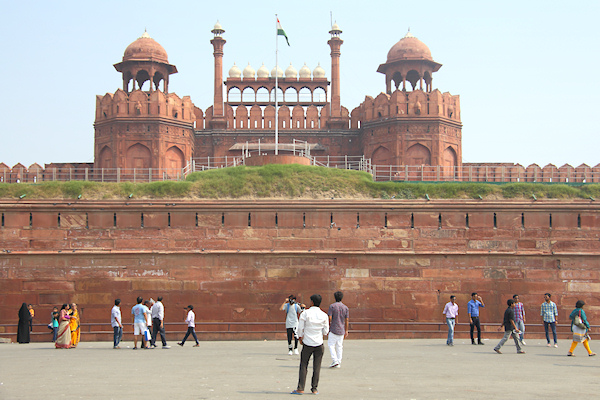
x: 148, y: 321
x: 64, y: 324
x: 67, y: 334
x: 514, y: 322
x: 308, y: 326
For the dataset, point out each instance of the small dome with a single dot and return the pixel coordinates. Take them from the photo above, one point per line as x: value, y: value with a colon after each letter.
x: 249, y: 72
x: 304, y: 72
x: 319, y: 72
x: 409, y: 48
x: 262, y: 72
x: 145, y: 49
x: 235, y: 72
x: 279, y: 72
x: 218, y: 26
x: 291, y: 72
x: 335, y: 27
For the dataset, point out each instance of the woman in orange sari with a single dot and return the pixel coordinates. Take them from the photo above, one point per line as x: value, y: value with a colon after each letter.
x: 63, y: 339
x: 74, y: 325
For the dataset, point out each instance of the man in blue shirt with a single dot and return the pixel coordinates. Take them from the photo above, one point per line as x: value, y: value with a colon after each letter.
x: 473, y: 310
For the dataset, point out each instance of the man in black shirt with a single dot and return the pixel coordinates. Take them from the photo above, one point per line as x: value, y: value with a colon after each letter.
x: 510, y: 329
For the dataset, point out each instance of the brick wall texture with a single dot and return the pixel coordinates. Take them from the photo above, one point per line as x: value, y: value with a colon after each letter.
x: 236, y: 261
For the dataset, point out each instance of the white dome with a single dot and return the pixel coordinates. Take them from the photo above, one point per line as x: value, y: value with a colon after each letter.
x: 304, y: 72
x: 249, y: 72
x: 262, y: 72
x: 319, y: 72
x: 279, y: 72
x: 235, y: 72
x: 291, y: 72
x: 218, y: 26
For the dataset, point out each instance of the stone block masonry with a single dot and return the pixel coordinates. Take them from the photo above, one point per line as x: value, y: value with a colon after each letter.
x: 236, y: 261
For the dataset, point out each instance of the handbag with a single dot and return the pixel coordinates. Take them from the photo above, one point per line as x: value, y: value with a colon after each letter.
x: 147, y: 335
x: 578, y: 322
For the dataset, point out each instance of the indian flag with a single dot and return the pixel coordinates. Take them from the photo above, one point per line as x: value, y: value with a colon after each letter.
x: 281, y: 32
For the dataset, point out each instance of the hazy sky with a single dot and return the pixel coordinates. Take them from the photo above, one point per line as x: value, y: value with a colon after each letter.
x: 525, y: 70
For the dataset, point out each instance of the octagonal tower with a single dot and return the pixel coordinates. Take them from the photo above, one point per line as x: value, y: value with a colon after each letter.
x: 141, y: 126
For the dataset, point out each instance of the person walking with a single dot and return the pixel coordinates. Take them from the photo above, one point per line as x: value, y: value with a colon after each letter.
x: 520, y: 318
x: 580, y: 328
x: 338, y: 329
x: 116, y: 323
x: 158, y: 316
x: 510, y: 328
x: 549, y: 312
x: 292, y: 311
x: 451, y: 313
x: 473, y: 307
x: 312, y: 326
x: 190, y: 319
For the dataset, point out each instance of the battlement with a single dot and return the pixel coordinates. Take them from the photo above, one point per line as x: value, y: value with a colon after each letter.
x: 402, y: 104
x: 142, y: 104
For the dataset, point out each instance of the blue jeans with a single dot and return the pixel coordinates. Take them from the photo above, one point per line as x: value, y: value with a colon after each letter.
x: 451, y: 322
x: 117, y: 335
x: 553, y: 326
x: 193, y: 332
x: 521, y: 326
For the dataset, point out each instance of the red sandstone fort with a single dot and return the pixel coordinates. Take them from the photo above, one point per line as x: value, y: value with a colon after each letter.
x: 236, y: 261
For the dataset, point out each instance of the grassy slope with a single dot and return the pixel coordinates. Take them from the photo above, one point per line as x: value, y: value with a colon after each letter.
x: 291, y: 182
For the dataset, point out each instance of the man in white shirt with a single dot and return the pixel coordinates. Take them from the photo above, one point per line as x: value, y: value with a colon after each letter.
x: 312, y: 326
x: 158, y: 316
x: 115, y: 322
x: 190, y: 319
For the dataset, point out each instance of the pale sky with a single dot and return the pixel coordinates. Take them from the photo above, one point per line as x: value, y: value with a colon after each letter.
x: 525, y: 70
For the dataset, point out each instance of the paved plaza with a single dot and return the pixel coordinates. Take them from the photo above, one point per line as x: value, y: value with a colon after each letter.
x: 371, y: 369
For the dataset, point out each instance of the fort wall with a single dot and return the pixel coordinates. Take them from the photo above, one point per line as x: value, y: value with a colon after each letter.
x: 236, y: 261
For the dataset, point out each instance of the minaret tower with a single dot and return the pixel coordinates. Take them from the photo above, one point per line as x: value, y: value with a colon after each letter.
x: 218, y: 118
x: 335, y: 43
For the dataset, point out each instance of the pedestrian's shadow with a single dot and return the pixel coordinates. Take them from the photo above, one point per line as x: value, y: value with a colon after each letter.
x: 263, y: 392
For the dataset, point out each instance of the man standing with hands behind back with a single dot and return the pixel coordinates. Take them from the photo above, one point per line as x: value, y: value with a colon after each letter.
x: 473, y: 310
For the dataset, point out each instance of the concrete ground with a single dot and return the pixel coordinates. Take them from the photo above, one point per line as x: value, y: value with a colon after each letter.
x: 372, y: 369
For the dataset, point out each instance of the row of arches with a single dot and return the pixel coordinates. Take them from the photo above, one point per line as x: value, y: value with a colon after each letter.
x: 417, y: 154
x: 139, y: 156
x: 262, y: 95
x: 413, y: 77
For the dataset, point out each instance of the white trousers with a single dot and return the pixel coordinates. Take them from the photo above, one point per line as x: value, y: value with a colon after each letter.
x: 336, y: 347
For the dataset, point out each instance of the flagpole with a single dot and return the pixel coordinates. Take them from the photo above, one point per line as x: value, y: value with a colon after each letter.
x: 276, y: 86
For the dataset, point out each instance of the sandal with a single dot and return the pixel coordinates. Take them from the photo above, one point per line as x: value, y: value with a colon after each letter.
x: 592, y: 354
x: 570, y: 354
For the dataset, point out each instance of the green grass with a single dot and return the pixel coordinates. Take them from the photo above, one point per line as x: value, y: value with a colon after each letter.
x: 292, y: 182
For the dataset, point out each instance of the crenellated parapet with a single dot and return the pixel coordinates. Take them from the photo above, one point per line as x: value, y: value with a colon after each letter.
x: 139, y: 104
x: 402, y: 104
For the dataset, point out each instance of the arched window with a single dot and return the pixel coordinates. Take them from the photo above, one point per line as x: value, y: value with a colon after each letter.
x: 234, y: 95
x: 319, y: 95
x: 248, y: 95
x: 291, y: 95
